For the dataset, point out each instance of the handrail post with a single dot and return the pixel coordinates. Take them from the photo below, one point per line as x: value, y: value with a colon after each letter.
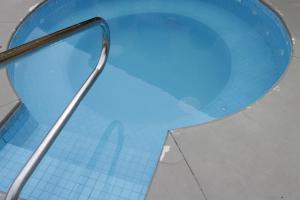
x: 37, y: 156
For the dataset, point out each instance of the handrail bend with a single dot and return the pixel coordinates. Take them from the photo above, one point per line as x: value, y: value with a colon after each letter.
x: 44, y: 146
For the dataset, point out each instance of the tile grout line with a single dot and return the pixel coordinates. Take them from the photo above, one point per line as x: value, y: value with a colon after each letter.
x: 190, y: 168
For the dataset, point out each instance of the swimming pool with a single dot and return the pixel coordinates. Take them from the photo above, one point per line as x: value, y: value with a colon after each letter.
x: 172, y: 64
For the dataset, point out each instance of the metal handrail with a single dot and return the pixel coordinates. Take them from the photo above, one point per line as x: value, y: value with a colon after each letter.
x: 44, y: 146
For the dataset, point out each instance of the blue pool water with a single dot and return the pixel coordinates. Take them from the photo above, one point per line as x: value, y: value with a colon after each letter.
x: 173, y: 63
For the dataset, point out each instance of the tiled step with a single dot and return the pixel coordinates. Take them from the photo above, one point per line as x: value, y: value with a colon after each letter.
x: 62, y: 179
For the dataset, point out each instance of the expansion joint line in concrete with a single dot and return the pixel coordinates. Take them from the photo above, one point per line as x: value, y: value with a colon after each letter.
x: 190, y: 168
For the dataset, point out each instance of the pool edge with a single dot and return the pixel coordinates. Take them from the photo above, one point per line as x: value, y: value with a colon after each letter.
x: 14, y: 104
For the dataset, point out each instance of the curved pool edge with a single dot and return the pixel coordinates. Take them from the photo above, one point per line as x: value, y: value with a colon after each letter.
x: 234, y: 119
x: 291, y: 34
x: 14, y: 102
x: 251, y: 154
x: 266, y: 3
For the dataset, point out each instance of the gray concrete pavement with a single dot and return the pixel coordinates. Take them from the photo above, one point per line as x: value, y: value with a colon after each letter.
x: 173, y: 178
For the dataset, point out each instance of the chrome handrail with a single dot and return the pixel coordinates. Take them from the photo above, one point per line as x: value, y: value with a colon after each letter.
x: 44, y: 146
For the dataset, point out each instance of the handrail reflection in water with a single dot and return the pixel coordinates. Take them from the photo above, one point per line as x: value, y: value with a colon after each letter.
x: 42, y: 149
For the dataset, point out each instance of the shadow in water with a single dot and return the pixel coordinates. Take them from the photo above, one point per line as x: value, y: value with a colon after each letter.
x: 109, y: 148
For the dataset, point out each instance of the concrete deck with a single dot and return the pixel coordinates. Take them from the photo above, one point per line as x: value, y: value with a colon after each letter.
x: 254, y: 154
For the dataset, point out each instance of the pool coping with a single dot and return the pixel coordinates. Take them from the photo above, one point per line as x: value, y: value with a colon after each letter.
x: 175, y: 134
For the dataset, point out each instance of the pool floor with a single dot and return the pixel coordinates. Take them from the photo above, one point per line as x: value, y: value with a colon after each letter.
x: 77, y: 167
